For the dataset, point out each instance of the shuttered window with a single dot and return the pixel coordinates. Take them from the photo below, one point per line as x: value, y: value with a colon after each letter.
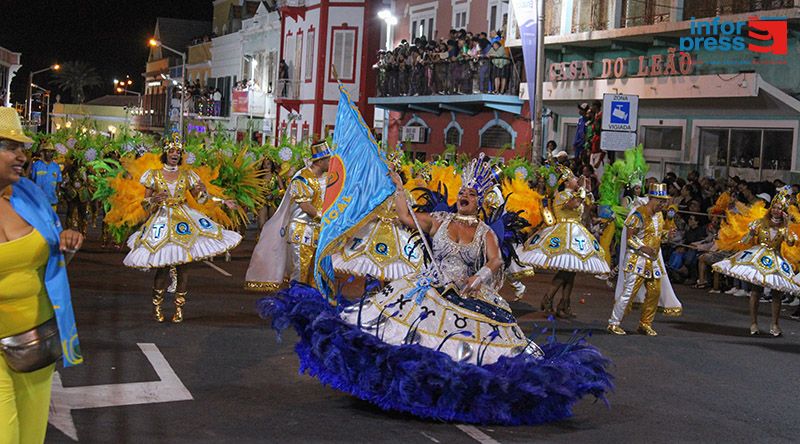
x: 344, y: 53
x: 309, y: 55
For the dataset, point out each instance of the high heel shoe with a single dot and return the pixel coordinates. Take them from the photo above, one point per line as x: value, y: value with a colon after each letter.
x: 775, y: 331
x: 754, y: 329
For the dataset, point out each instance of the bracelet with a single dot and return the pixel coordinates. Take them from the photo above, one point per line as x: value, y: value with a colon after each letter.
x: 484, y: 274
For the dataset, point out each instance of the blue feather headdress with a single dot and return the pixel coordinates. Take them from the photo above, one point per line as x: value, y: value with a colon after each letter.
x: 480, y: 175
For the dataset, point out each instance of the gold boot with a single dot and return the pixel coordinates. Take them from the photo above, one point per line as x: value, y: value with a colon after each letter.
x: 180, y: 300
x: 158, y: 299
x: 615, y: 329
x: 646, y: 330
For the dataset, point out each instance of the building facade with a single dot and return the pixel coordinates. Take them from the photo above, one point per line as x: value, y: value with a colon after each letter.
x: 708, y: 101
x: 9, y: 64
x: 473, y: 119
x: 322, y: 41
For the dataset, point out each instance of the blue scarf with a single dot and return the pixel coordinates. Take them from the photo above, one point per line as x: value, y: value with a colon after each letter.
x: 32, y: 205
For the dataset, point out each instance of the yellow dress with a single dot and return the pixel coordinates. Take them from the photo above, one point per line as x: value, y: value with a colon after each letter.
x: 24, y: 397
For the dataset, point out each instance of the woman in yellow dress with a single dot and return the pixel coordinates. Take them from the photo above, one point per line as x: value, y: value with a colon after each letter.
x: 566, y: 245
x: 35, y: 307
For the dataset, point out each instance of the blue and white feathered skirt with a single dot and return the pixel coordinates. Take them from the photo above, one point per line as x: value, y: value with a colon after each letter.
x: 410, y: 375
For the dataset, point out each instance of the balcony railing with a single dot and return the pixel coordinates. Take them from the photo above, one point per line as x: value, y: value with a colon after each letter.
x: 288, y: 89
x: 644, y: 12
x: 713, y: 8
x: 590, y: 15
x: 290, y: 3
x: 552, y: 17
x: 447, y: 78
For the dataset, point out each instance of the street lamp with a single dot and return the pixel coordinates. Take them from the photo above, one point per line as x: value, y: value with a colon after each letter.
x: 55, y: 67
x: 387, y: 16
x: 154, y: 43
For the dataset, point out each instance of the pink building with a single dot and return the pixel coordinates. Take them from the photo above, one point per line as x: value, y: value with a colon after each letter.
x: 471, y: 118
x: 319, y: 35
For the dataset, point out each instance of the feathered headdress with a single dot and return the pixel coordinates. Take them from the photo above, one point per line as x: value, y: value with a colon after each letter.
x: 479, y: 175
x: 782, y: 199
x: 175, y: 143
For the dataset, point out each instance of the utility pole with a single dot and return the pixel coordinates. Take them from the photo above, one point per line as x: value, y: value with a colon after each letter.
x: 538, y: 105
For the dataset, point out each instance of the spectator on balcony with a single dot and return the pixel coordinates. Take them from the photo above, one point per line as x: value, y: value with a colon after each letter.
x: 500, y: 69
x: 217, y: 99
x: 283, y: 77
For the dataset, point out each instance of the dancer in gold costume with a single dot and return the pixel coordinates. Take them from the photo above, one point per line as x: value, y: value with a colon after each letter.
x: 642, y: 265
x: 288, y: 240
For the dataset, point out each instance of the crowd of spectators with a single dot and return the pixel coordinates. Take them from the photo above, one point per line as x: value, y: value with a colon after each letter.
x: 200, y: 100
x: 464, y: 63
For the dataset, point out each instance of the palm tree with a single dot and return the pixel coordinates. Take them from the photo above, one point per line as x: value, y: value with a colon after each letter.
x: 74, y: 77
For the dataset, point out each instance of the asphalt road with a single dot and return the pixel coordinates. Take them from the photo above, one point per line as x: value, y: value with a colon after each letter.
x: 703, y: 379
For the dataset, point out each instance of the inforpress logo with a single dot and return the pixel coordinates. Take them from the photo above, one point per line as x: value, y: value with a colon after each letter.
x: 770, y: 34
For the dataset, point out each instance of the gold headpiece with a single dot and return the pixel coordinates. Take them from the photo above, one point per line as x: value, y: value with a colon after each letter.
x: 564, y: 173
x: 782, y: 199
x: 658, y: 191
x: 174, y: 144
x: 320, y: 150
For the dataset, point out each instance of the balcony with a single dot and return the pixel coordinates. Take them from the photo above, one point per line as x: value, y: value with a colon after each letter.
x: 250, y: 102
x: 712, y: 8
x: 288, y: 89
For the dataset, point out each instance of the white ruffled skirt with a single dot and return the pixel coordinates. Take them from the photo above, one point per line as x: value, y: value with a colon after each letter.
x: 472, y: 330
x: 176, y: 236
x: 762, y: 266
x: 566, y: 246
x: 382, y: 249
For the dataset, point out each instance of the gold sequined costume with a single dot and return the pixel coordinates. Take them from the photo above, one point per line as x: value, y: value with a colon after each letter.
x: 762, y: 264
x: 176, y: 234
x: 303, y: 230
x: 640, y: 271
x: 566, y: 245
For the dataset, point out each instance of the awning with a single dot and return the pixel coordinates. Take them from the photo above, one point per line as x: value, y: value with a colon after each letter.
x: 470, y: 104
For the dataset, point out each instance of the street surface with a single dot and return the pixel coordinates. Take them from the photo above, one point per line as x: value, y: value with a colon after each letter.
x: 222, y: 377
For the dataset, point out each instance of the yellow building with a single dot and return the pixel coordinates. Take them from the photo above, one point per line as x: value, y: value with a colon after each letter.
x: 107, y: 114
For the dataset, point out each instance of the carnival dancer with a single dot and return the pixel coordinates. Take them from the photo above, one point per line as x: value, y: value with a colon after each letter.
x: 442, y: 343
x: 566, y: 245
x: 288, y: 241
x: 642, y: 271
x: 175, y: 235
x: 46, y: 174
x: 762, y: 264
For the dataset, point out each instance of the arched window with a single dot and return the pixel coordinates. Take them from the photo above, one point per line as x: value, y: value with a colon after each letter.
x: 497, y: 134
x: 452, y: 137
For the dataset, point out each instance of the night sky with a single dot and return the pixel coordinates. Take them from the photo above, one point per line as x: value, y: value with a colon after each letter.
x: 109, y: 35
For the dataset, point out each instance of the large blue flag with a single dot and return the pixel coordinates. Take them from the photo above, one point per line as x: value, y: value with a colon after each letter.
x: 357, y: 184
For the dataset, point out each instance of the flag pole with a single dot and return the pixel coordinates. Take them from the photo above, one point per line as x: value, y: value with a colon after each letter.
x: 422, y: 233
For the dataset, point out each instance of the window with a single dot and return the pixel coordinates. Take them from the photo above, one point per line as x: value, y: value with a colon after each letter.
x: 496, y: 136
x: 663, y: 138
x: 750, y: 153
x: 644, y: 12
x: 570, y: 129
x: 589, y: 15
x: 497, y: 14
x: 460, y: 15
x: 343, y: 54
x: 298, y: 56
x: 452, y: 136
x: 423, y: 20
x: 309, y: 54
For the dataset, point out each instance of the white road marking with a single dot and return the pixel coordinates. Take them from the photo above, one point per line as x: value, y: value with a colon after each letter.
x: 65, y: 399
x: 220, y: 270
x: 476, y: 434
x: 430, y: 437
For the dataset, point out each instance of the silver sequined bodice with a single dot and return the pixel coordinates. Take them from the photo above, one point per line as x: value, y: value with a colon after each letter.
x: 457, y: 262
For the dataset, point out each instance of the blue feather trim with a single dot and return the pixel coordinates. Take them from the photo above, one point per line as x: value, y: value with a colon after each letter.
x: 429, y: 384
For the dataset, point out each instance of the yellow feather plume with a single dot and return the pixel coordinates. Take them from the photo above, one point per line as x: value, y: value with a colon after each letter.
x: 211, y: 209
x: 126, y: 202
x: 412, y: 182
x: 792, y: 254
x: 522, y: 198
x: 445, y: 176
x: 722, y: 204
x: 736, y: 225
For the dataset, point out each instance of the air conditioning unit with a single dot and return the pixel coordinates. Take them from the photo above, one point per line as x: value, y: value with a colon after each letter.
x: 415, y: 134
